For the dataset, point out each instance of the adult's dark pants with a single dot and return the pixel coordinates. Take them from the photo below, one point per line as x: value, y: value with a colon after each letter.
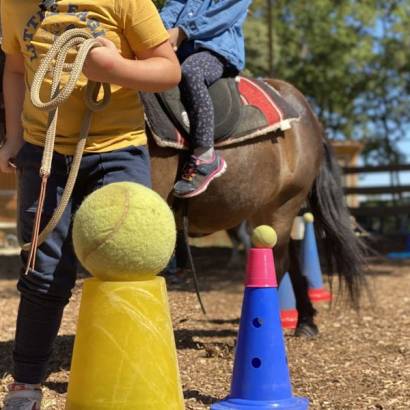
x: 46, y: 290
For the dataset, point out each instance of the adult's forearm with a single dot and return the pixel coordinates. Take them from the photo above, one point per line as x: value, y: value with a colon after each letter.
x: 151, y: 75
x: 13, y: 91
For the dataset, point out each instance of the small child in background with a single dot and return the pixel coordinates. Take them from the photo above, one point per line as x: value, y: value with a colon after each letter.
x: 208, y: 38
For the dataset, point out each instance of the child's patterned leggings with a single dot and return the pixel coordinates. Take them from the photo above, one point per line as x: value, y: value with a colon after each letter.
x: 200, y: 71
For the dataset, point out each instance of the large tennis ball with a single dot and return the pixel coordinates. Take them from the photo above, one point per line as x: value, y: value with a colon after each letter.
x: 124, y: 232
x: 264, y: 236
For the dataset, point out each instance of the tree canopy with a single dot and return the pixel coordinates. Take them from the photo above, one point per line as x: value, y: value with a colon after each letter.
x: 350, y: 58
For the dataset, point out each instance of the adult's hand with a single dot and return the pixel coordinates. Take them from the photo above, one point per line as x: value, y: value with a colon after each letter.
x: 101, y: 61
x: 176, y: 37
x: 8, y: 152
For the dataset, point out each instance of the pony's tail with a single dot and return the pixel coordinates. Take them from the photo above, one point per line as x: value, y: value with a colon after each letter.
x: 344, y: 251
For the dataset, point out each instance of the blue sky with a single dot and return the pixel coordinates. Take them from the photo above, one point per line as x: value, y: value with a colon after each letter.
x: 383, y: 178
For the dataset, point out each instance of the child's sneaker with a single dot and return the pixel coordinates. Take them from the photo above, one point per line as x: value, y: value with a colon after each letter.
x: 23, y: 397
x: 197, y: 175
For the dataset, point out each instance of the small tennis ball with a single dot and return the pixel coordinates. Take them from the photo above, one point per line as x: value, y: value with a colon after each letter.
x: 308, y: 217
x: 124, y: 232
x: 264, y: 236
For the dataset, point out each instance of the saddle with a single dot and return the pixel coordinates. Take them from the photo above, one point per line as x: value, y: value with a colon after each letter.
x: 244, y: 108
x: 226, y: 102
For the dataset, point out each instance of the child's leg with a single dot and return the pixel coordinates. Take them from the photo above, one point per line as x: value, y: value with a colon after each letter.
x: 199, y: 72
x: 46, y: 290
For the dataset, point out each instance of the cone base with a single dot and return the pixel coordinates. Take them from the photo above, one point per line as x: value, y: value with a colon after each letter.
x: 294, y: 403
x: 289, y: 318
x: 319, y: 295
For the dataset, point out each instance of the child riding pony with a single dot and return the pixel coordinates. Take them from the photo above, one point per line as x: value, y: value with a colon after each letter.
x: 208, y: 38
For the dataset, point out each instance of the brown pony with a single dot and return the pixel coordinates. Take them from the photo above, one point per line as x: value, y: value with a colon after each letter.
x: 268, y: 180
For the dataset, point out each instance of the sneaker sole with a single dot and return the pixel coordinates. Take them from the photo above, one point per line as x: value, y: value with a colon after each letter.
x: 219, y: 172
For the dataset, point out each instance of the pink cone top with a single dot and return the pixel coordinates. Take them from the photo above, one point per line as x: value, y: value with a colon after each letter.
x: 260, y: 271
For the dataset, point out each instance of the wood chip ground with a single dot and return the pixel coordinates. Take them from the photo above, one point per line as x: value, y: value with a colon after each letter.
x: 359, y: 361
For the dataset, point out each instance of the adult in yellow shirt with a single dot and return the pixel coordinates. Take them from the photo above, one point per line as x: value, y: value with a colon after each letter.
x: 135, y: 55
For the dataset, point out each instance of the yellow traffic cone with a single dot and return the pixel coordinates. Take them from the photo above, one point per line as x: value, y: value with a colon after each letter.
x: 124, y: 353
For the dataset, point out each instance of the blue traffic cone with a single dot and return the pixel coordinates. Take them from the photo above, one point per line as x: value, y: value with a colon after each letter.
x: 260, y: 378
x: 311, y: 263
x: 403, y: 255
x: 287, y: 302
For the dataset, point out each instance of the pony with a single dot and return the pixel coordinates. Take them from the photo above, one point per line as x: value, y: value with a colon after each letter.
x: 268, y: 180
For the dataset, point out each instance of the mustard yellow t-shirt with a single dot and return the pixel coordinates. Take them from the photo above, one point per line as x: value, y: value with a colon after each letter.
x: 133, y: 25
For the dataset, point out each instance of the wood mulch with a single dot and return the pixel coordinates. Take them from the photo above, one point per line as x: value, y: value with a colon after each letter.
x: 359, y: 361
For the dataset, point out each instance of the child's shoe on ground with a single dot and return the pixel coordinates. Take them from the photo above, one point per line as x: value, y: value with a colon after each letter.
x: 23, y: 397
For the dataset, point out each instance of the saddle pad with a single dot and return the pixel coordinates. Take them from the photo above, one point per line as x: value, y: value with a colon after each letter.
x: 262, y: 110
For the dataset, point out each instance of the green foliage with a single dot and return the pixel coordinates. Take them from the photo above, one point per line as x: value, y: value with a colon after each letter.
x: 350, y: 58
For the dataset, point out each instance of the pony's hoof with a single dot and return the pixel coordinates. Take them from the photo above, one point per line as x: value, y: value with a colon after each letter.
x: 308, y: 330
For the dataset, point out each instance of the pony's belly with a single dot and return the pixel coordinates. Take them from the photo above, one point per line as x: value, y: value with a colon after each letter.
x: 250, y: 184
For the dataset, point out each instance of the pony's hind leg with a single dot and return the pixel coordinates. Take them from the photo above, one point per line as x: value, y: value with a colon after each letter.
x: 286, y: 259
x: 306, y: 312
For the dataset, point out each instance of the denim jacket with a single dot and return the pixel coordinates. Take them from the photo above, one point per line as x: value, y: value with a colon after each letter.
x: 215, y: 25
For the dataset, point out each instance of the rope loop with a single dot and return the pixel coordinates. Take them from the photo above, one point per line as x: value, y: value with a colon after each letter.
x: 54, y: 62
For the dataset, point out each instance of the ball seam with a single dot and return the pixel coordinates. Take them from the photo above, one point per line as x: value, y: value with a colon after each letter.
x: 115, y: 229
